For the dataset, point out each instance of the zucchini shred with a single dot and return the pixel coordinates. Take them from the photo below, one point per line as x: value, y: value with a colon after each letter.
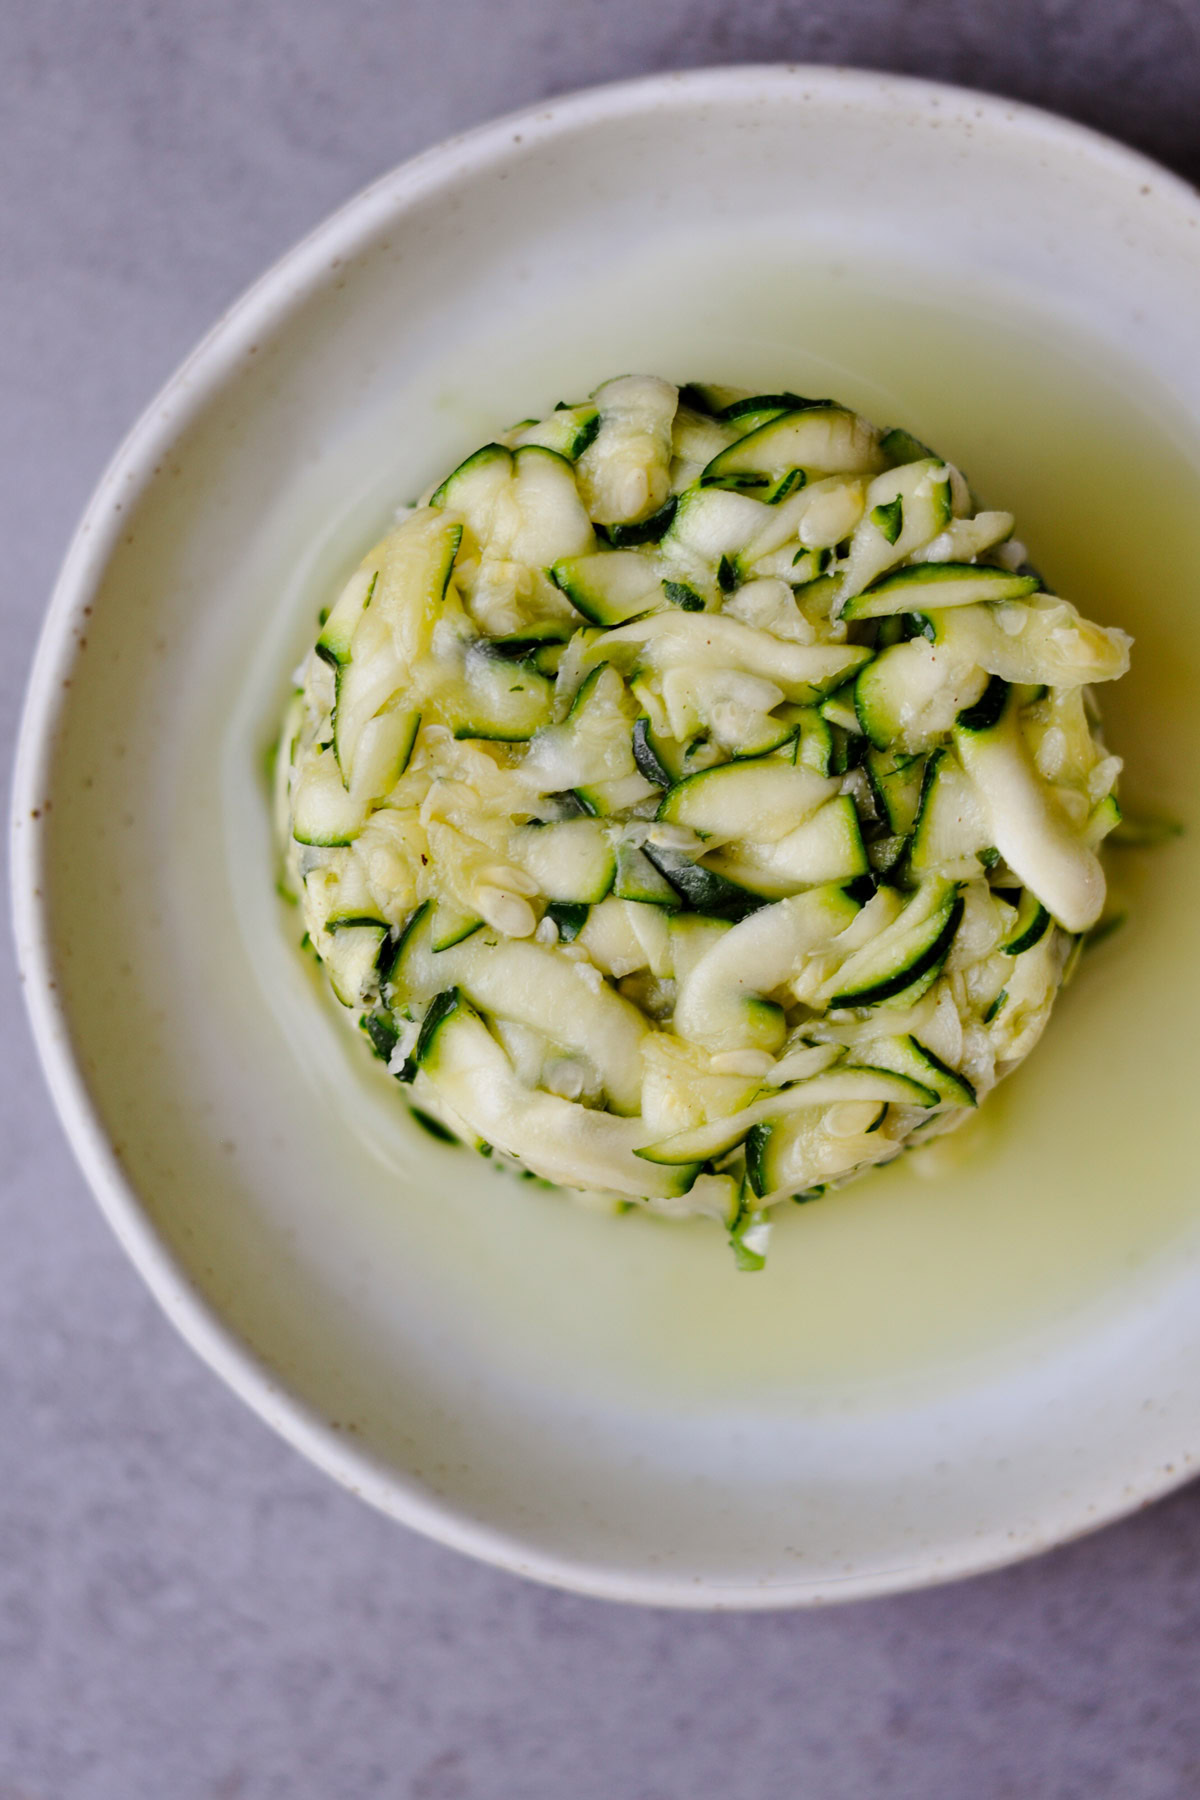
x: 696, y: 801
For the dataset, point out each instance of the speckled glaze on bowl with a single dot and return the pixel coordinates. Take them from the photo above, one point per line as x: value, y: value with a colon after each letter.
x: 905, y: 1395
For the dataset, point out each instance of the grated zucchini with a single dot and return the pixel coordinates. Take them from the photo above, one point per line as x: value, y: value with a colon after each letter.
x: 690, y: 801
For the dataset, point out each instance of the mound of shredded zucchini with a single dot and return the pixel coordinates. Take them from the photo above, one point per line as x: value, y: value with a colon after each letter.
x: 697, y: 800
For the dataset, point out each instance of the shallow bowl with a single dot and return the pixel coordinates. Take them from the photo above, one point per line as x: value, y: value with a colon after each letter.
x: 939, y: 1370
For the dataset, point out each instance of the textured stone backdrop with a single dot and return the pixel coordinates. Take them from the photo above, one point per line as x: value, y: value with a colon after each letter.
x: 187, y: 1611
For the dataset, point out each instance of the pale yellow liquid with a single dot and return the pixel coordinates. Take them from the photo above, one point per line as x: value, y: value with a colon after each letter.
x: 1076, y: 1188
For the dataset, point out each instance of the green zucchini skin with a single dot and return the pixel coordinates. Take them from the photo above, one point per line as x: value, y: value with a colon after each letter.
x: 938, y: 585
x: 1033, y: 922
x: 696, y: 799
x: 908, y: 969
x: 569, y: 916
x: 646, y: 755
x: 644, y: 531
x: 702, y: 889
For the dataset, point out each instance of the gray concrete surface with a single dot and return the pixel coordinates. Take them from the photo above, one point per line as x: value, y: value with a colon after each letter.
x: 187, y: 1611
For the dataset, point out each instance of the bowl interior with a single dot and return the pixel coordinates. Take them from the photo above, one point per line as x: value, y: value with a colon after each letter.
x: 939, y: 1368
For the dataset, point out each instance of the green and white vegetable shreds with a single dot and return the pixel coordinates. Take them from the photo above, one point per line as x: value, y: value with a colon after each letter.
x: 696, y: 800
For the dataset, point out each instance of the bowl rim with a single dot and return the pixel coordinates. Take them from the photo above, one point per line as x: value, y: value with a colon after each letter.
x: 262, y: 307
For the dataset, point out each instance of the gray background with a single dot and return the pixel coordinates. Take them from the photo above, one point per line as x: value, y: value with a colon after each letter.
x: 186, y: 1609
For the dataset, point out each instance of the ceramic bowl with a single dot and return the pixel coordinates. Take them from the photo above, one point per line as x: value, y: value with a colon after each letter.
x: 939, y: 1370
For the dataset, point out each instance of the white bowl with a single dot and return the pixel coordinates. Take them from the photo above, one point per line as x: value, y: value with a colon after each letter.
x: 932, y: 1376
